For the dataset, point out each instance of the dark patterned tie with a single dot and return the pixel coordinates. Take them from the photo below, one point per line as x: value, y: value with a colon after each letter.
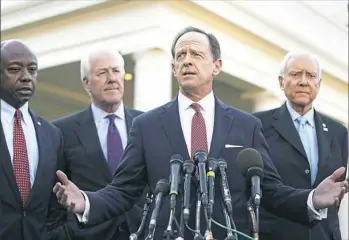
x: 114, y: 144
x: 20, y: 159
x: 198, y: 131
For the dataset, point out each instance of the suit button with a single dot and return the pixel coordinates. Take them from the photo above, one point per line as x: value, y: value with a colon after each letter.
x: 307, y: 171
x: 24, y: 213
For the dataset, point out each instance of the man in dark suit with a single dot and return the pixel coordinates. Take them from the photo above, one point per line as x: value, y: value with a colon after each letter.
x: 303, y: 156
x: 87, y: 139
x: 31, y: 151
x: 195, y: 120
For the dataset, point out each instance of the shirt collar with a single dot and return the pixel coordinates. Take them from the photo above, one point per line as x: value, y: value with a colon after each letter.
x: 99, y: 114
x: 207, y: 103
x: 8, y: 112
x: 295, y: 115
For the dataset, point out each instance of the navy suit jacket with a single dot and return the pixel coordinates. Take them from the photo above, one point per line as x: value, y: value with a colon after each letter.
x: 290, y: 159
x: 156, y: 135
x: 30, y: 223
x: 88, y: 169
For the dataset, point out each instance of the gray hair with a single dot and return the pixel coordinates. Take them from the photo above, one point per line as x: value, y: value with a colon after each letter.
x: 85, y: 61
x: 291, y: 55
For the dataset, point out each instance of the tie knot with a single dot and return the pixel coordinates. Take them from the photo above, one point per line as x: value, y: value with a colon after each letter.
x: 196, y: 107
x: 18, y: 114
x: 302, y: 121
x: 111, y: 118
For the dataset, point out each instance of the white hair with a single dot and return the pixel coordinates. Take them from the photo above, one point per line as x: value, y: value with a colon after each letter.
x: 85, y: 61
x: 291, y: 55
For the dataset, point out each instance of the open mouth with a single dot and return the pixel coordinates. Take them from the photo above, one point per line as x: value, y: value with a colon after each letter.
x: 25, y: 90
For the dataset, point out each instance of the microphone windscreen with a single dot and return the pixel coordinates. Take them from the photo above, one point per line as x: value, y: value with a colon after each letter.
x: 162, y: 186
x: 248, y: 159
x: 176, y: 158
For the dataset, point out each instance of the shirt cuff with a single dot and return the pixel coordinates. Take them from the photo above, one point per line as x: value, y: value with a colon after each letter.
x: 312, y: 213
x: 83, y: 218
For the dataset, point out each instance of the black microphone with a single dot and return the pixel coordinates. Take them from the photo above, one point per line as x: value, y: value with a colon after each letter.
x: 147, y: 203
x: 176, y: 163
x: 222, y: 165
x: 188, y: 169
x: 200, y: 159
x: 211, y: 175
x: 250, y: 165
x: 162, y: 188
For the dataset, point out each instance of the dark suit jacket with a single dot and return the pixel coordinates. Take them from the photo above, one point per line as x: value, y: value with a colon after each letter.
x: 156, y: 135
x: 30, y: 223
x: 88, y: 169
x: 290, y: 159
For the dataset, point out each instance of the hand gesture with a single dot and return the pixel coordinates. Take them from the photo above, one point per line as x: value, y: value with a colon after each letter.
x: 68, y: 194
x: 329, y: 192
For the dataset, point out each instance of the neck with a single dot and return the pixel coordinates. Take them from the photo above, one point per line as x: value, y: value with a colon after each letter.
x: 195, y: 96
x: 109, y: 108
x: 301, y: 109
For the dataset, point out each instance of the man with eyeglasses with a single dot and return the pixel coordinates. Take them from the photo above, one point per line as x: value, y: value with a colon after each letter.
x: 305, y: 146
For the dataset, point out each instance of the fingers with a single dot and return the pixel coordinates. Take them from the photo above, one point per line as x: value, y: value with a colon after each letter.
x: 337, y: 174
x: 62, y: 177
x: 71, y: 207
x: 57, y: 187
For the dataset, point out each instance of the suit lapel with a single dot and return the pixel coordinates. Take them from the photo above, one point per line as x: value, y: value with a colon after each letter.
x: 128, y: 119
x: 284, y: 125
x: 5, y: 160
x: 324, y: 143
x: 222, y: 125
x: 172, y: 126
x: 86, y: 131
x: 41, y: 138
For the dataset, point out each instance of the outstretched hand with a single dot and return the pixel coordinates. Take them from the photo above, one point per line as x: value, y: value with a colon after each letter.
x: 329, y: 192
x: 68, y: 194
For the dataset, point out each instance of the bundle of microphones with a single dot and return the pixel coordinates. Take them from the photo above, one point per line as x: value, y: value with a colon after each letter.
x: 204, y: 169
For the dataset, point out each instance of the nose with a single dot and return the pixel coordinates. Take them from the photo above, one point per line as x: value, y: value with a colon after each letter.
x: 187, y: 60
x: 303, y: 80
x: 26, y: 76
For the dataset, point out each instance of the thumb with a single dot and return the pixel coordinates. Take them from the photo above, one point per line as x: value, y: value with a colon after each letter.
x: 62, y: 177
x: 337, y: 174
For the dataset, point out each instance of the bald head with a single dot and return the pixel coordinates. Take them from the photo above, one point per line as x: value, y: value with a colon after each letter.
x: 18, y: 72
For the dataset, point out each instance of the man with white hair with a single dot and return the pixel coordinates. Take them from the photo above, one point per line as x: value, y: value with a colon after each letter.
x: 94, y: 139
x: 306, y: 146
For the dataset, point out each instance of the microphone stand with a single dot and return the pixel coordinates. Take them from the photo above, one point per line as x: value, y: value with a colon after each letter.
x: 253, y: 209
x: 198, y: 235
x: 148, y: 200
x: 230, y: 235
x: 181, y: 225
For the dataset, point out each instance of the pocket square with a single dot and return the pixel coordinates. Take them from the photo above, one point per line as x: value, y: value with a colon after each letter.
x: 232, y: 146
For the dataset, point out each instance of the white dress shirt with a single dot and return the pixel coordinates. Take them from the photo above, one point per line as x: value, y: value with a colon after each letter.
x: 186, y: 114
x: 7, y: 121
x: 102, y: 124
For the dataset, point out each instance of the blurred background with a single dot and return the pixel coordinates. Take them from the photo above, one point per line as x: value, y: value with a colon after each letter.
x: 254, y: 37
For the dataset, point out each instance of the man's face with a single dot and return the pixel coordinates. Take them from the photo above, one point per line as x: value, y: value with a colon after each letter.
x: 19, y: 69
x: 193, y: 64
x: 301, y: 81
x: 106, y: 81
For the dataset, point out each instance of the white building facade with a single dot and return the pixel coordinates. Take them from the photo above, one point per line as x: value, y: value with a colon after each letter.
x: 253, y: 43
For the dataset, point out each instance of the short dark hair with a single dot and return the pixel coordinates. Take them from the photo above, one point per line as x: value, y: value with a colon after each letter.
x: 214, y: 44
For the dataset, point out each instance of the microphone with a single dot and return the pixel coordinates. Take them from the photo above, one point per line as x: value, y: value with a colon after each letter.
x: 148, y: 201
x: 200, y: 159
x: 176, y: 163
x: 250, y: 165
x: 188, y: 169
x: 162, y: 188
x: 211, y: 174
x: 222, y: 165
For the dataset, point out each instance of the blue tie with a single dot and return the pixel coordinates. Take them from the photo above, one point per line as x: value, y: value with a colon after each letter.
x: 114, y: 144
x: 305, y: 138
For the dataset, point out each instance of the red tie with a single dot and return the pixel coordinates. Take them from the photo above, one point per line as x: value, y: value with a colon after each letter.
x: 198, y: 131
x: 20, y: 159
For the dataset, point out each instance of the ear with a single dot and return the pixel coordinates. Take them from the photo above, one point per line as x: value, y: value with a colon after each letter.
x: 217, y: 67
x: 86, y: 84
x: 173, y: 69
x: 281, y: 83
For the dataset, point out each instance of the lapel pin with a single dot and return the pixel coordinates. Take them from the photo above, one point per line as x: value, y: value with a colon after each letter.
x: 324, y: 125
x: 325, y: 129
x: 39, y: 123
